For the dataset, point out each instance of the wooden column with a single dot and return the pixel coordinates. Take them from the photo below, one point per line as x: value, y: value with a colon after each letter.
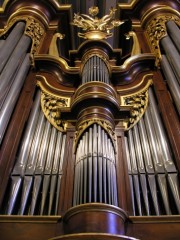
x: 123, y: 185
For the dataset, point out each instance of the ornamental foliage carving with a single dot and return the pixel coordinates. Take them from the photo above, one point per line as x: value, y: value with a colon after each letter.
x: 138, y: 103
x: 94, y: 27
x: 33, y: 29
x: 156, y: 30
x: 85, y: 124
x: 51, y: 106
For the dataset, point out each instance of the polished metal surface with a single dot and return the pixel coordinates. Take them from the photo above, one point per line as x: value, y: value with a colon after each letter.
x: 36, y: 144
x: 42, y: 156
x: 15, y: 186
x: 26, y: 190
x: 13, y: 63
x: 95, y: 69
x: 174, y: 185
x: 145, y: 147
x: 95, y: 170
x: 153, y: 190
x: 12, y: 96
x: 172, y: 81
x: 174, y: 32
x: 10, y: 43
x: 159, y: 128
x: 172, y: 55
x: 27, y: 138
x: 164, y: 193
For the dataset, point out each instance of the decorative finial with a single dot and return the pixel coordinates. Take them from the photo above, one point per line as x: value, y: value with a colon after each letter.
x: 95, y: 28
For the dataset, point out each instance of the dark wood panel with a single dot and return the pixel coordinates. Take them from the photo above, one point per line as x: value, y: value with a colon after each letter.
x: 122, y: 176
x: 152, y: 228
x: 66, y: 192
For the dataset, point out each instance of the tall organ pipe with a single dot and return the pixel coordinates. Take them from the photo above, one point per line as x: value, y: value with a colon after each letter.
x: 12, y: 97
x: 169, y: 165
x: 174, y: 33
x: 172, y: 81
x: 1, y: 44
x: 172, y: 55
x: 12, y: 64
x: 28, y: 137
x: 10, y: 43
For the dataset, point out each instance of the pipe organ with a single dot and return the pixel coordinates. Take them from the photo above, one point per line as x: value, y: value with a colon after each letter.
x: 89, y: 133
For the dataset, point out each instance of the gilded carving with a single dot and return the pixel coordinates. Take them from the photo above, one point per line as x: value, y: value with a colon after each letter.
x: 103, y: 123
x: 156, y: 30
x: 51, y: 106
x: 33, y: 29
x: 95, y: 28
x: 138, y: 103
x: 53, y: 50
x: 136, y: 47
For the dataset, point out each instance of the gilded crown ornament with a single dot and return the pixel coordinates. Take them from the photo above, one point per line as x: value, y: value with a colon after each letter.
x: 96, y: 28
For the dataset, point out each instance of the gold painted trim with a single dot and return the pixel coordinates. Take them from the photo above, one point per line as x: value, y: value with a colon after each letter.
x: 105, y: 124
x: 136, y: 86
x: 138, y: 103
x: 60, y: 6
x: 136, y: 50
x: 94, y: 28
x: 132, y: 59
x: 42, y: 81
x: 155, y: 28
x: 2, y: 9
x: 60, y: 61
x: 52, y: 105
x: 53, y: 50
x: 153, y: 12
x: 29, y: 219
x: 128, y: 5
x: 95, y: 52
x: 34, y: 29
x: 32, y: 13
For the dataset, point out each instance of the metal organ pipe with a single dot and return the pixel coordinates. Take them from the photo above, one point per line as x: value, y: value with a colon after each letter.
x: 10, y: 101
x: 172, y: 81
x: 10, y: 43
x: 95, y: 170
x: 27, y: 138
x: 39, y: 186
x: 15, y: 60
x: 174, y: 33
x: 172, y: 55
x: 1, y: 44
x: 152, y: 172
x: 95, y: 69
x: 167, y: 157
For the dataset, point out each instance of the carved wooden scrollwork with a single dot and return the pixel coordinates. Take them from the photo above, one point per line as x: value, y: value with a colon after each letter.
x: 51, y: 106
x: 85, y: 124
x: 138, y: 103
x: 156, y: 30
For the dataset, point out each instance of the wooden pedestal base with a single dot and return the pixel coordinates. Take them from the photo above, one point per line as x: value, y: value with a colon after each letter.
x: 95, y: 218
